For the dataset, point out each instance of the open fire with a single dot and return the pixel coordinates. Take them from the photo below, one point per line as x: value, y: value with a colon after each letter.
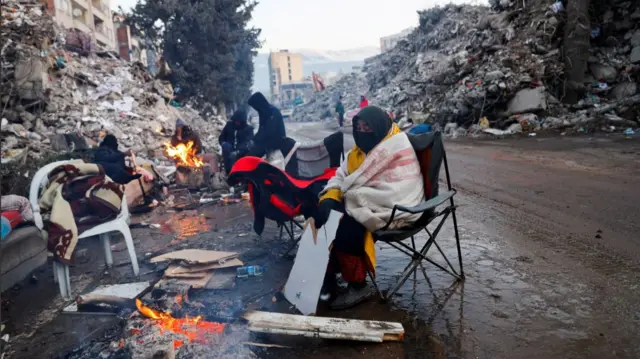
x: 194, y: 329
x: 184, y: 154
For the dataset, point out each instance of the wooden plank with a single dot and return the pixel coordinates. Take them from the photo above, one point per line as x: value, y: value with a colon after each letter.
x: 235, y: 262
x: 326, y: 328
x: 195, y: 256
x: 308, y: 271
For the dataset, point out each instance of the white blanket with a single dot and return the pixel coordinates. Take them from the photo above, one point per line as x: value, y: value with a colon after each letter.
x: 389, y: 175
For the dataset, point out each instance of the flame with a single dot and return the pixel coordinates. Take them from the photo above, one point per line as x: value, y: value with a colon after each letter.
x: 185, y: 154
x: 194, y: 329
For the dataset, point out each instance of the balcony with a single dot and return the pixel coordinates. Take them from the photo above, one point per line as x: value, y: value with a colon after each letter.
x: 80, y: 25
x: 80, y: 3
x: 101, y: 9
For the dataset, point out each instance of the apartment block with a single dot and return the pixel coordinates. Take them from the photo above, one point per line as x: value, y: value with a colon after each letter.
x: 90, y: 16
x: 389, y: 42
x: 284, y: 67
x: 128, y: 45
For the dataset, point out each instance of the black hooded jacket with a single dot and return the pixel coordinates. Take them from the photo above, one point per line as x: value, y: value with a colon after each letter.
x: 271, y: 131
x: 239, y: 136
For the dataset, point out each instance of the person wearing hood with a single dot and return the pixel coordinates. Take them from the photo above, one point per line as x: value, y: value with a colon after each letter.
x: 271, y: 131
x: 381, y: 170
x: 363, y: 102
x: 111, y: 159
x: 236, y: 139
x: 185, y: 134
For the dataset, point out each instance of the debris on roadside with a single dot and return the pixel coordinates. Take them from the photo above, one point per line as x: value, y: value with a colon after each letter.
x: 56, y: 83
x: 486, y: 68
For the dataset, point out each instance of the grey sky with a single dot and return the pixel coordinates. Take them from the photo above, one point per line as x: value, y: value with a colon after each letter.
x: 331, y: 24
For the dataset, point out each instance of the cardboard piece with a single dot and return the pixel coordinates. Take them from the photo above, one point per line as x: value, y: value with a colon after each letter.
x: 196, y: 283
x: 127, y: 290
x: 172, y: 272
x: 235, y: 262
x: 195, y: 256
x: 307, y: 275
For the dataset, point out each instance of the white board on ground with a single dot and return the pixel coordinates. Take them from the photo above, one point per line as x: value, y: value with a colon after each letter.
x: 126, y: 290
x: 306, y: 277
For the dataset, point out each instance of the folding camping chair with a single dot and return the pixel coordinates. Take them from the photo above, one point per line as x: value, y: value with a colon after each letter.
x: 431, y: 154
x: 281, y: 196
x: 307, y: 161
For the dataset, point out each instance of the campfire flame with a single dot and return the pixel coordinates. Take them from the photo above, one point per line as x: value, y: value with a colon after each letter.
x: 194, y: 329
x: 185, y: 154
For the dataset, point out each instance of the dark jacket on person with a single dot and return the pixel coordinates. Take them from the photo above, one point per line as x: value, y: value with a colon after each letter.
x: 188, y: 135
x: 237, y: 132
x: 271, y: 131
x: 112, y: 161
x: 340, y: 108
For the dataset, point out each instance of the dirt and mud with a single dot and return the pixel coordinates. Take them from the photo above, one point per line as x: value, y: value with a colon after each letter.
x: 550, y: 248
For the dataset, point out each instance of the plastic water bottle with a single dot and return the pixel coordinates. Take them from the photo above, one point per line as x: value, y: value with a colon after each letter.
x: 6, y: 227
x: 249, y: 271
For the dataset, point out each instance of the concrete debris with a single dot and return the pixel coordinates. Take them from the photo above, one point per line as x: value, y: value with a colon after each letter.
x: 50, y: 87
x: 322, y: 106
x: 465, y: 63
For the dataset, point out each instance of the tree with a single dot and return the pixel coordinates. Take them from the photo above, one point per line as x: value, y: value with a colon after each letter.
x: 207, y: 44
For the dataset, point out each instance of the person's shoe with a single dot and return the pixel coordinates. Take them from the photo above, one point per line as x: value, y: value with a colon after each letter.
x: 354, y: 296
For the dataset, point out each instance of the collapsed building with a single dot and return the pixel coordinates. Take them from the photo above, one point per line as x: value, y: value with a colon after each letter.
x: 503, y: 67
x: 58, y: 93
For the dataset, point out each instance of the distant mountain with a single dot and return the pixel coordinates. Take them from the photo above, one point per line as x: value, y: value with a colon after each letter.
x: 319, y: 61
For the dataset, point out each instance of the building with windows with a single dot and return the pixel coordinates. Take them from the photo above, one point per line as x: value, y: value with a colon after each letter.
x: 389, y: 42
x: 89, y: 16
x: 284, y: 67
x: 128, y: 44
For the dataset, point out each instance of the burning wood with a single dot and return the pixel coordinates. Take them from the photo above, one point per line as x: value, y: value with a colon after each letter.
x: 194, y: 329
x: 184, y: 154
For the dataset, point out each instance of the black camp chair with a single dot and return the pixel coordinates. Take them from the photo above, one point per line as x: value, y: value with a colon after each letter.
x: 431, y: 154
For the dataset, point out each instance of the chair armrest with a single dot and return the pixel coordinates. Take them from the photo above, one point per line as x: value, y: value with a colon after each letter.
x: 421, y: 208
x: 427, y: 205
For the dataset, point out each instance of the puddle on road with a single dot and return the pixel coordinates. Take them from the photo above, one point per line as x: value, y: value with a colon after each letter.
x: 190, y: 223
x: 502, y: 308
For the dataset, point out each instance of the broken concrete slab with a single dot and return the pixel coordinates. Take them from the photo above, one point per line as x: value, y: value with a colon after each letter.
x: 635, y: 55
x: 528, y: 100
x: 624, y: 90
x: 603, y: 72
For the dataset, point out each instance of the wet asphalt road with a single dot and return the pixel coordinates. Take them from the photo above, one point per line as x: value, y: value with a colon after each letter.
x: 551, y: 247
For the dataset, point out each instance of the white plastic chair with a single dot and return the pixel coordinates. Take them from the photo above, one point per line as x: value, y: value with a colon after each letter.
x: 120, y: 224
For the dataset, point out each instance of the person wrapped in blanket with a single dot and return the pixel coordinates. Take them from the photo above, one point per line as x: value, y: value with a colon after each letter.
x: 381, y: 170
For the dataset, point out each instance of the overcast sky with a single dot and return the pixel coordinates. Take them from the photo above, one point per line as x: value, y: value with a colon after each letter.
x: 331, y: 24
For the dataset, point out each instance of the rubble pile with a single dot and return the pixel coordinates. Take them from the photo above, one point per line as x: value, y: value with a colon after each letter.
x: 50, y: 89
x: 501, y: 69
x: 323, y: 104
x: 477, y: 68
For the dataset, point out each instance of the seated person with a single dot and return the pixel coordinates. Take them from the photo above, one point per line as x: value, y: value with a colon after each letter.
x: 381, y: 170
x: 185, y: 134
x: 236, y: 139
x: 112, y: 161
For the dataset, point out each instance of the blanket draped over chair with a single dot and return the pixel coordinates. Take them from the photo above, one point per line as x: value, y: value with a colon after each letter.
x: 77, y: 197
